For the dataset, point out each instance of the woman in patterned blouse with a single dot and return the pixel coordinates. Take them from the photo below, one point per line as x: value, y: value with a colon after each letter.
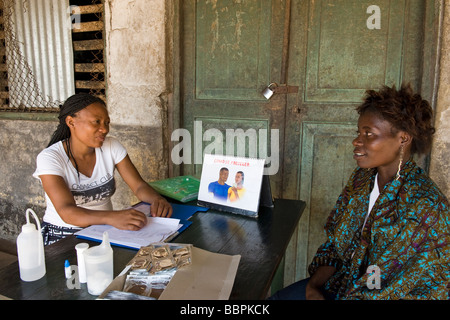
x: 388, y: 236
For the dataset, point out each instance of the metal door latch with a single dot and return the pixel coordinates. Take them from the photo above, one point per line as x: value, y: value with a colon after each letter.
x: 273, y: 88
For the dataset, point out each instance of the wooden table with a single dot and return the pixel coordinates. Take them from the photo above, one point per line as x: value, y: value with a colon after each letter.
x: 261, y: 242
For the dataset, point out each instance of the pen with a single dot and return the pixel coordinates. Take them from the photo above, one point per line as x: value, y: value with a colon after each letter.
x: 67, y: 269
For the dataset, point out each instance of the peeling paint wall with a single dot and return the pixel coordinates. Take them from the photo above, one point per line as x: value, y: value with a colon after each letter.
x: 439, y: 164
x: 135, y: 58
x: 136, y: 79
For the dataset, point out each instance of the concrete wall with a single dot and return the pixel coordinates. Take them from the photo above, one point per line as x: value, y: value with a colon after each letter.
x: 20, y: 142
x: 136, y: 92
x: 440, y: 164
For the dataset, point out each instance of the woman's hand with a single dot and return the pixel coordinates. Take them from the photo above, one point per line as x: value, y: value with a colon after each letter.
x: 143, y: 191
x: 160, y: 208
x: 128, y: 219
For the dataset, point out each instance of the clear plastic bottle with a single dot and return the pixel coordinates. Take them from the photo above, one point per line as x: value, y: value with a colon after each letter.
x: 99, y: 266
x: 30, y: 250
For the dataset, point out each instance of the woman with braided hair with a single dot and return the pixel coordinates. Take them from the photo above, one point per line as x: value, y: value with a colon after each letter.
x: 388, y: 236
x: 77, y: 173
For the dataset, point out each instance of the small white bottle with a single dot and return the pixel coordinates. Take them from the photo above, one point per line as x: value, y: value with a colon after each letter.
x: 30, y: 250
x: 80, y: 248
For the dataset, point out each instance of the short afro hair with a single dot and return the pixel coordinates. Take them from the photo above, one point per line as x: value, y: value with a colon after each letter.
x: 405, y: 110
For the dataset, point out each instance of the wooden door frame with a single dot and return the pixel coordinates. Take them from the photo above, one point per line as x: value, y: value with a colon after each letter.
x: 174, y: 55
x: 434, y: 17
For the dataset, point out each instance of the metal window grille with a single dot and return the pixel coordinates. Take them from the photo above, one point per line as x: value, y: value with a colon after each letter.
x: 37, y: 85
x: 88, y: 46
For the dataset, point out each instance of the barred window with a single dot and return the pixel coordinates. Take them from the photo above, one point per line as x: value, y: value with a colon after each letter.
x: 88, y: 45
x: 49, y: 51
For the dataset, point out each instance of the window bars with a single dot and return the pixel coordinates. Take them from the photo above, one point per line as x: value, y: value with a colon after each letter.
x: 49, y: 52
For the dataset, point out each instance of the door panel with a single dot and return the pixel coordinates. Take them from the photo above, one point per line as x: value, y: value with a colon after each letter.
x: 327, y: 162
x: 233, y: 49
x: 220, y: 135
x: 344, y: 58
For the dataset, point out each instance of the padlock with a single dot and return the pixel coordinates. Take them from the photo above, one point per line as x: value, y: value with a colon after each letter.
x: 269, y: 91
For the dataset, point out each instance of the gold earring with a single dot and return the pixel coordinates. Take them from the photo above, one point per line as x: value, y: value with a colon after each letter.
x: 400, y: 163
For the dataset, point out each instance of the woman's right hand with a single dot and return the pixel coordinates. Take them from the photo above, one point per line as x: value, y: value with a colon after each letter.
x: 128, y: 219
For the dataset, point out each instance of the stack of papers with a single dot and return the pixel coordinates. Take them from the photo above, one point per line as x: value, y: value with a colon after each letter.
x: 157, y: 229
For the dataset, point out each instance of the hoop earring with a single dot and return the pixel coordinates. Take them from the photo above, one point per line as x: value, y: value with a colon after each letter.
x: 400, y: 163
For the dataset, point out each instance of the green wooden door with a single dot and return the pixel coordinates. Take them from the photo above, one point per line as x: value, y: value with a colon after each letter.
x: 327, y: 53
x: 232, y: 50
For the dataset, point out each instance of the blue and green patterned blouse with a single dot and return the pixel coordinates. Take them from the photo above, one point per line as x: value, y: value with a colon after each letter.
x: 407, y: 236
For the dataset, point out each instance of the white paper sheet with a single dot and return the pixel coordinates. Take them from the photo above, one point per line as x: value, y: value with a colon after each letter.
x: 157, y: 230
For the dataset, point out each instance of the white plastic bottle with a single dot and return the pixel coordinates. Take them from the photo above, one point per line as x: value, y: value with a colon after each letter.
x: 80, y: 248
x: 99, y: 266
x: 30, y: 250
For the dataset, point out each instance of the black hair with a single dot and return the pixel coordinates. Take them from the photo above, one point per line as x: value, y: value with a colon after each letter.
x: 242, y: 175
x: 406, y: 111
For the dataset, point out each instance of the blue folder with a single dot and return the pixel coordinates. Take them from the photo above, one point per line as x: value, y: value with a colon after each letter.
x: 184, y: 212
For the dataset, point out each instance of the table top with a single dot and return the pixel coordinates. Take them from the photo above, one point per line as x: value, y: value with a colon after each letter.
x: 261, y: 242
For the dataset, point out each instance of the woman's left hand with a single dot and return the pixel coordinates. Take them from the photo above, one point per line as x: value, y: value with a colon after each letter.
x: 160, y: 208
x: 143, y: 191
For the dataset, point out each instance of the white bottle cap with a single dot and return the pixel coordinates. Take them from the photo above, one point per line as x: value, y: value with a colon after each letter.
x: 80, y: 260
